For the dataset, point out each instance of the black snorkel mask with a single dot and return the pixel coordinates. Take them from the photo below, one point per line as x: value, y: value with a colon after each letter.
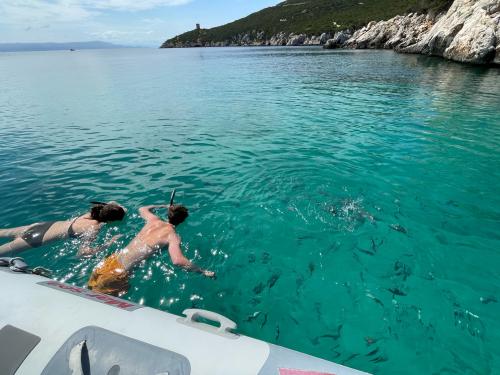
x: 96, y: 203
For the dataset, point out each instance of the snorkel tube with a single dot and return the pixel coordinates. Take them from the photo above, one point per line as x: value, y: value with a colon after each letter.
x: 172, y: 196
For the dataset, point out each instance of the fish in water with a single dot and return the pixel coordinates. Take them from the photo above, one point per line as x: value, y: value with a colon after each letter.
x: 277, y: 333
x: 265, y: 258
x: 365, y: 251
x: 377, y: 301
x: 301, y: 239
x: 336, y: 354
x: 251, y: 258
x: 317, y: 308
x: 306, y: 237
x: 398, y: 228
x: 311, y: 267
x: 327, y: 336
x: 379, y: 359
x: 356, y: 257
x: 361, y: 276
x: 367, y: 215
x: 350, y: 209
x: 396, y: 291
x: 375, y: 245
x: 352, y: 356
x: 299, y: 282
x: 273, y: 279
x: 470, y: 322
x: 332, y: 210
x: 258, y: 289
x: 487, y: 300
x: 255, y: 301
x: 333, y: 336
x: 253, y: 316
x: 264, y: 322
x: 370, y: 340
x: 315, y: 341
x: 371, y: 248
x: 402, y: 270
x: 333, y: 247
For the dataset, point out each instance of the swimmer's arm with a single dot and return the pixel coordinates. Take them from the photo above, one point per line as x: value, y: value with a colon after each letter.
x: 146, y: 213
x: 178, y: 258
x: 86, y: 249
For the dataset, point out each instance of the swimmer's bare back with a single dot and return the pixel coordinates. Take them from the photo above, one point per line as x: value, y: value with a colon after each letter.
x: 39, y: 234
x: 154, y: 236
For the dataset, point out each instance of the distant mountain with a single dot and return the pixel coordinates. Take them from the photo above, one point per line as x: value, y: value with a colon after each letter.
x: 310, y: 17
x: 18, y: 47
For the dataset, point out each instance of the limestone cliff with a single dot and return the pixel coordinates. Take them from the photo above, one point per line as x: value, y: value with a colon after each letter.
x: 468, y: 32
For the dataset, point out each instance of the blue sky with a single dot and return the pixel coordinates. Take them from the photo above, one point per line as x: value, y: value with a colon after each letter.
x: 131, y: 22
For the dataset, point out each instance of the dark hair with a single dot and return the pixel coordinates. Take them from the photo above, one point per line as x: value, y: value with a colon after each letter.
x: 107, y: 212
x: 177, y: 213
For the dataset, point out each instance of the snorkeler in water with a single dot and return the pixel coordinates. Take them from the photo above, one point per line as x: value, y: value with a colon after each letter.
x: 85, y: 228
x: 111, y: 275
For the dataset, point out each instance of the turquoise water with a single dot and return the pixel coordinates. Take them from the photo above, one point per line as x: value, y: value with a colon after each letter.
x: 348, y: 201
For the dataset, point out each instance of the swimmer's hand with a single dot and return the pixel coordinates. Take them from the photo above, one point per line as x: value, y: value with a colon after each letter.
x: 115, y: 238
x: 210, y: 274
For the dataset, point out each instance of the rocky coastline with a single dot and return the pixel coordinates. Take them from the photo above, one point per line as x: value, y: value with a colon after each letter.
x: 468, y: 32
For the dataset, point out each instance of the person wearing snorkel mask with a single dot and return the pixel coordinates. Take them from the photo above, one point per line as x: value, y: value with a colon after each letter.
x: 112, y: 274
x: 85, y: 227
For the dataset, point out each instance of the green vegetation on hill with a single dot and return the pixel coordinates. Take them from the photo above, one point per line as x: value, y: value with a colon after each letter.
x: 312, y: 17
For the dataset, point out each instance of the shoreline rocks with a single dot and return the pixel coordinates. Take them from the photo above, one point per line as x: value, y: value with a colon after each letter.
x: 338, y: 40
x: 297, y: 40
x: 391, y: 34
x: 468, y: 32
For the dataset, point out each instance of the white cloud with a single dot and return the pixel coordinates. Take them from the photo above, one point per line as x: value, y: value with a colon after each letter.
x: 120, y: 35
x: 67, y: 11
x: 69, y: 20
x: 33, y: 11
x: 131, y: 5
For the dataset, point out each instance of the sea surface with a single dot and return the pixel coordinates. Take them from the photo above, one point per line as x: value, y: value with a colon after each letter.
x: 349, y: 201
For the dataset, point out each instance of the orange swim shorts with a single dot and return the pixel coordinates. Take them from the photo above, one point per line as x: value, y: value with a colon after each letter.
x: 109, y: 277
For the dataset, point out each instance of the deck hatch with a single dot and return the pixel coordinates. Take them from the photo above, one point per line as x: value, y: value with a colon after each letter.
x: 95, y: 351
x: 15, y: 346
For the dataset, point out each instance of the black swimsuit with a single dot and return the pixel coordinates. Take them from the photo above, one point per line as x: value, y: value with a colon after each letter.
x: 71, y: 232
x: 34, y: 235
